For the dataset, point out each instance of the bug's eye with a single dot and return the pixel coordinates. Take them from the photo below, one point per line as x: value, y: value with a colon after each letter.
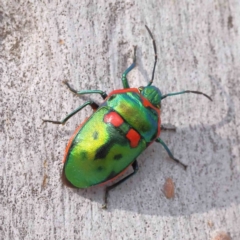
x: 140, y: 89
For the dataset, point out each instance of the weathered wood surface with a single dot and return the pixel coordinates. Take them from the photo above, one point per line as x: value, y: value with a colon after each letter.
x: 90, y: 43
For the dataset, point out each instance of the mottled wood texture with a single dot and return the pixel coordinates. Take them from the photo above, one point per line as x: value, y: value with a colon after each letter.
x: 90, y: 43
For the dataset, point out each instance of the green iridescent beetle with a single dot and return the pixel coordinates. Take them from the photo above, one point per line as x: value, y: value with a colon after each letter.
x: 118, y: 131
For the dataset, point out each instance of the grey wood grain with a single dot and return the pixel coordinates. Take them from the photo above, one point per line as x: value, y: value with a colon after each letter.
x: 90, y: 43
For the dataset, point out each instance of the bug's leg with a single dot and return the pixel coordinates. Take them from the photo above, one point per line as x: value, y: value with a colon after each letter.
x: 124, y: 75
x: 186, y: 91
x: 168, y: 128
x: 135, y: 169
x: 82, y: 92
x: 159, y: 140
x: 91, y: 103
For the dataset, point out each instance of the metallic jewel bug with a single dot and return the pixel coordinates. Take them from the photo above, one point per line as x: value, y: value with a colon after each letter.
x: 117, y: 132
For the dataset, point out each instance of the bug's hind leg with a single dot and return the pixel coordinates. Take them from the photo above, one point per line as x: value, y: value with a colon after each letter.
x: 124, y: 75
x: 82, y: 92
x: 135, y: 169
x: 91, y: 103
x: 159, y: 140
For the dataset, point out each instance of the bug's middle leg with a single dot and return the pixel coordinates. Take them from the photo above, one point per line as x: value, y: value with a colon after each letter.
x: 159, y: 140
x: 124, y: 75
x: 91, y: 103
x: 135, y: 169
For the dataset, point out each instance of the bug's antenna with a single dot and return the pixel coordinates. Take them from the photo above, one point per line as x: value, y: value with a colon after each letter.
x: 155, y: 53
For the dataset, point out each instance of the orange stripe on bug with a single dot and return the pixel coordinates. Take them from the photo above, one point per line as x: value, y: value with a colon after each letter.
x: 134, y: 137
x: 113, y: 118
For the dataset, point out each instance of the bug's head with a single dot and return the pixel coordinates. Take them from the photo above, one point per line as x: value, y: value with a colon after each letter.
x: 152, y: 94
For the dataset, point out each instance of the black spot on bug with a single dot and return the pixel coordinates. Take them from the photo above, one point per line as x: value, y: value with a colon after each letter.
x: 116, y: 137
x: 117, y: 156
x: 95, y: 135
x: 103, y: 151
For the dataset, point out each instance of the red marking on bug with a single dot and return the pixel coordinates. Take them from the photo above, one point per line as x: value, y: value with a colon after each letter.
x: 119, y: 91
x: 133, y: 137
x: 113, y: 118
x: 71, y: 139
x: 146, y: 103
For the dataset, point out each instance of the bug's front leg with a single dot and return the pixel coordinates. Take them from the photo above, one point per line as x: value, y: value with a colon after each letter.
x: 124, y: 75
x: 159, y: 140
x: 91, y: 103
x: 135, y: 169
x: 82, y: 92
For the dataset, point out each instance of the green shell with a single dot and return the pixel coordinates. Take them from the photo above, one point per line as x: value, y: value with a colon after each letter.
x: 100, y: 151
